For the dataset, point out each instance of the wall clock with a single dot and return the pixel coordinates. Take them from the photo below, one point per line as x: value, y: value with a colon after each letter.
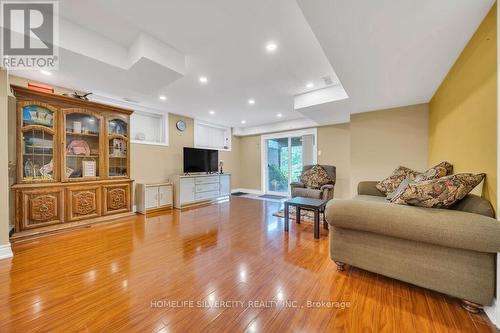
x: 181, y: 125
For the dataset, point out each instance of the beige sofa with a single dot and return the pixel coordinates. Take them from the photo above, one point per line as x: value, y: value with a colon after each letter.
x: 452, y: 251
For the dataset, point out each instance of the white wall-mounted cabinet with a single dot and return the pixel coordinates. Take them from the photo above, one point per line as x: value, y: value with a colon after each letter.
x: 211, y: 136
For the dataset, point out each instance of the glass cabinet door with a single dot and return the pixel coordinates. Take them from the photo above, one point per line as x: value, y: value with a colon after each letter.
x: 37, y: 142
x: 82, y: 145
x: 117, y: 133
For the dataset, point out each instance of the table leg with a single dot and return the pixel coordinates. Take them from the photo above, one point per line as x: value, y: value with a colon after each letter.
x: 325, y: 224
x: 286, y: 217
x: 316, y: 223
x: 297, y: 214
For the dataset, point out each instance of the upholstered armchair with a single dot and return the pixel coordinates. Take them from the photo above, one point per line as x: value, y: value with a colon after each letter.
x: 325, y: 192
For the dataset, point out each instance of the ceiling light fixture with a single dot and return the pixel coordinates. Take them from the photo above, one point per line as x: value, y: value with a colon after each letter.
x: 279, y: 115
x: 212, y: 112
x: 251, y: 101
x: 243, y: 121
x: 271, y: 47
x: 203, y: 79
x: 309, y: 85
x: 163, y: 97
x: 46, y: 73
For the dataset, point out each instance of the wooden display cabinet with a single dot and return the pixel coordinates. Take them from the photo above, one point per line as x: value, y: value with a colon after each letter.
x: 73, y: 161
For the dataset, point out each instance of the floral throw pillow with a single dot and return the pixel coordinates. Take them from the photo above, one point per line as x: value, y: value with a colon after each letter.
x: 438, y: 193
x: 447, y: 166
x: 315, y: 177
x: 391, y: 183
x: 432, y: 173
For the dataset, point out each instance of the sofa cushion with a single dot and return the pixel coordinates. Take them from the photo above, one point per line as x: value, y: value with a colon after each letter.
x: 432, y: 173
x: 443, y: 227
x: 391, y: 183
x: 448, y: 166
x: 438, y: 193
x: 315, y: 177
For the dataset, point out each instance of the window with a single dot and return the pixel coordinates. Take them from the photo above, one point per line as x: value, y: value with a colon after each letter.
x: 212, y: 136
x: 149, y: 128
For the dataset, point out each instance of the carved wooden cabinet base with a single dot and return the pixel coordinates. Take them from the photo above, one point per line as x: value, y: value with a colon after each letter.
x: 40, y: 208
x: 58, y: 205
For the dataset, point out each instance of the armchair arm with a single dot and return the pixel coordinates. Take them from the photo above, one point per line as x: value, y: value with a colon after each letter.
x: 444, y: 227
x: 327, y: 191
x: 296, y: 184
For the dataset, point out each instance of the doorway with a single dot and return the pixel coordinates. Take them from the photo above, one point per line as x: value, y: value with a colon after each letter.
x: 283, y: 156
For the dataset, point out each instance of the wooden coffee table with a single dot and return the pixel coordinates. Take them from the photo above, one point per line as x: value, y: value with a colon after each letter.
x: 316, y: 205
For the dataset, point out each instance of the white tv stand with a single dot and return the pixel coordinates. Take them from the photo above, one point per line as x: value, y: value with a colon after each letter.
x: 200, y: 188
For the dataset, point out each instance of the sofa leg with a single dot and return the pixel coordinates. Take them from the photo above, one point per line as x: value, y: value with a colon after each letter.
x: 471, y: 306
x: 340, y: 266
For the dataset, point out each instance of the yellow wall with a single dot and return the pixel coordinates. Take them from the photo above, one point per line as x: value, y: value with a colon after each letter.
x: 463, y: 111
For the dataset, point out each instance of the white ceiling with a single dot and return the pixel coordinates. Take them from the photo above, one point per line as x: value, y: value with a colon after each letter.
x: 386, y: 53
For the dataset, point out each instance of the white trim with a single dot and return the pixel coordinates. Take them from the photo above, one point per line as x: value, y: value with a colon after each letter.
x: 152, y: 143
x: 247, y: 190
x: 6, y: 251
x: 263, y: 152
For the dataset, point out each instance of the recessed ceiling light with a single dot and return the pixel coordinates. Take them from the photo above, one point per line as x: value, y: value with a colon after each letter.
x: 271, y: 47
x: 279, y: 115
x: 211, y: 112
x: 243, y: 121
x: 163, y: 97
x: 46, y: 73
x: 203, y: 79
x: 251, y: 101
x: 309, y: 85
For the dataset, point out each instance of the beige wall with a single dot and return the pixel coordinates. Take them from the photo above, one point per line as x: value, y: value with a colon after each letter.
x: 334, y: 144
x: 250, y: 167
x: 383, y: 140
x: 150, y: 163
x: 463, y: 111
x: 370, y: 147
x: 4, y: 157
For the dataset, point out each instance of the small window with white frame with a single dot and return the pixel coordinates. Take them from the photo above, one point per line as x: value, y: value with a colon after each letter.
x: 149, y: 128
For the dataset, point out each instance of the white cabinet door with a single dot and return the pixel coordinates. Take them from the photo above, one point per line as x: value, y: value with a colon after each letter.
x: 151, y: 197
x: 186, y: 190
x: 225, y: 184
x: 165, y: 193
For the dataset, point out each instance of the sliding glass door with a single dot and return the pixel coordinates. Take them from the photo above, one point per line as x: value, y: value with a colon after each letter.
x: 284, y: 158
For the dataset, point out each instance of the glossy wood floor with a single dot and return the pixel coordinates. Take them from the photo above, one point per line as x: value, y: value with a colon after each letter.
x: 105, y: 278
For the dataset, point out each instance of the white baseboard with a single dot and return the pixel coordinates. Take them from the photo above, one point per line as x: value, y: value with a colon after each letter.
x: 492, y: 312
x: 5, y: 251
x: 247, y: 190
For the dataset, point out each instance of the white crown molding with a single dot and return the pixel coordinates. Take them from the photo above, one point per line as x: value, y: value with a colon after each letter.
x: 6, y: 251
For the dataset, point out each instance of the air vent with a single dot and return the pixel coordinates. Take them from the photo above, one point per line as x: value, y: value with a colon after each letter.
x: 327, y: 80
x: 126, y: 99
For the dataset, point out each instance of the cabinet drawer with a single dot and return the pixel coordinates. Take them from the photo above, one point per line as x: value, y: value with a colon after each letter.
x: 83, y: 202
x: 206, y: 180
x: 116, y: 198
x: 207, y: 195
x: 41, y: 208
x: 207, y: 187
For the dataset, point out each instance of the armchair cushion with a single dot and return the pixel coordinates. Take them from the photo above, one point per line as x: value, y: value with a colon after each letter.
x: 307, y: 192
x: 315, y: 177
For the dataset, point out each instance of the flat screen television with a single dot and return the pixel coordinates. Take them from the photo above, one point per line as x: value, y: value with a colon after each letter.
x: 200, y: 160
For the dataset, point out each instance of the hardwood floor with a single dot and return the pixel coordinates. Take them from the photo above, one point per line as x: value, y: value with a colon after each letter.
x: 109, y: 278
